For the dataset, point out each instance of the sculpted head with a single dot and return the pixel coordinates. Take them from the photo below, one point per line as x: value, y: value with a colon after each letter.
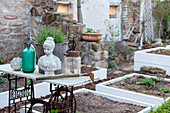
x: 48, y: 46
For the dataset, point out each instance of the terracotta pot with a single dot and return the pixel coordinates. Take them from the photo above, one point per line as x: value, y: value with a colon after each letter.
x: 92, y: 37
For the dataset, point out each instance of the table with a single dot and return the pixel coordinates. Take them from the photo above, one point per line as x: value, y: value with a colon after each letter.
x: 25, y: 95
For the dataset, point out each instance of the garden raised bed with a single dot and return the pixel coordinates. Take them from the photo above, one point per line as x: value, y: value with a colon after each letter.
x: 152, y: 99
x: 145, y: 58
x: 89, y: 101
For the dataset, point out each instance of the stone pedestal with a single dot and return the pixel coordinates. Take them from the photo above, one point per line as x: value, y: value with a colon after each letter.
x: 93, y: 53
x: 72, y: 65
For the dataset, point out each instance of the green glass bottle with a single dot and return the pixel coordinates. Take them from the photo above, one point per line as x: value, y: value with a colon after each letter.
x: 28, y: 60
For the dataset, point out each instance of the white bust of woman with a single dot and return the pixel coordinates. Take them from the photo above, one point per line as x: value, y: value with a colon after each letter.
x: 49, y: 62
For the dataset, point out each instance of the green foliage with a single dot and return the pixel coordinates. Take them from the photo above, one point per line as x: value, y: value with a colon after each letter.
x: 17, y: 86
x: 162, y: 90
x: 140, y: 76
x: 132, y: 50
x: 165, y: 108
x: 112, y: 52
x: 54, y: 111
x: 122, y: 83
x: 90, y: 30
x: 2, y: 59
x: 129, y: 82
x: 162, y: 13
x: 3, y: 80
x: 57, y: 35
x: 148, y: 82
x: 29, y: 81
x: 135, y: 87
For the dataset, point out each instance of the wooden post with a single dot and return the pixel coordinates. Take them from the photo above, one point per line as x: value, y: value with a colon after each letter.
x: 121, y: 19
x: 79, y: 12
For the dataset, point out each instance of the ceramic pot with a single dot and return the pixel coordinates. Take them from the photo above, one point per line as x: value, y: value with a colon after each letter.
x: 92, y: 37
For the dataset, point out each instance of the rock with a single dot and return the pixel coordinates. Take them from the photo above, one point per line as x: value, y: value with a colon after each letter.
x: 11, y: 17
x: 121, y: 47
x: 63, y: 27
x: 158, y: 43
x: 34, y: 23
x: 5, y: 31
x: 16, y: 64
x: 117, y: 61
x: 16, y: 23
x: 3, y: 23
x: 128, y: 68
x: 48, y: 18
x: 132, y: 44
x: 103, y: 64
x: 117, y: 72
x: 97, y: 56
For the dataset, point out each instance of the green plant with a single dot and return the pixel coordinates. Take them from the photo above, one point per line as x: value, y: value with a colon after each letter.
x: 29, y: 81
x: 162, y: 13
x: 148, y: 82
x: 57, y: 35
x: 127, y: 78
x: 90, y: 30
x: 165, y: 108
x: 140, y: 76
x: 162, y: 90
x: 2, y: 59
x: 132, y: 50
x: 122, y: 83
x: 17, y: 86
x: 135, y: 87
x: 129, y: 82
x: 54, y: 111
x: 3, y: 80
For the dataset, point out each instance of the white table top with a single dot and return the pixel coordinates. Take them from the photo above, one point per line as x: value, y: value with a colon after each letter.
x: 72, y: 81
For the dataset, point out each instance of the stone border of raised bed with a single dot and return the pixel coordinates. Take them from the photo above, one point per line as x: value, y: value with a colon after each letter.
x: 102, y: 87
x: 115, y: 98
x: 143, y: 58
x: 42, y: 89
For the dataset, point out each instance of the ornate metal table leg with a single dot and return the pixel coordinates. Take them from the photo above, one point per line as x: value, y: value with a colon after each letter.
x: 19, y: 97
x: 63, y: 103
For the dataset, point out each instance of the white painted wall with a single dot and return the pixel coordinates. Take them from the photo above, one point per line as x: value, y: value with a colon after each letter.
x: 95, y: 12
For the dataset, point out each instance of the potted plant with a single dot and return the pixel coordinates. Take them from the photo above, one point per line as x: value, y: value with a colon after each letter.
x: 91, y: 35
x: 59, y: 38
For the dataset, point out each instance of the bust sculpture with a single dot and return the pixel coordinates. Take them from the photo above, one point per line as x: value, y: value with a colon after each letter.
x: 49, y: 62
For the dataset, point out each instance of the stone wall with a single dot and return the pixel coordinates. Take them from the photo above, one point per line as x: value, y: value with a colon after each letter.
x: 93, y: 53
x: 14, y: 21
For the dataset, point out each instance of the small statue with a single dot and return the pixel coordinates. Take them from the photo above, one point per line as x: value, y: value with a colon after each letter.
x: 49, y: 62
x: 71, y: 52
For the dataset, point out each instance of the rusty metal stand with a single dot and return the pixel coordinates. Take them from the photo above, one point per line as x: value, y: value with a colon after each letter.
x: 19, y: 97
x: 64, y: 104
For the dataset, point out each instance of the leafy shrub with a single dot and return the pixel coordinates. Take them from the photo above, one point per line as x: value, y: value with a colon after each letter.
x: 57, y: 35
x: 165, y: 108
x: 2, y: 59
x: 90, y: 30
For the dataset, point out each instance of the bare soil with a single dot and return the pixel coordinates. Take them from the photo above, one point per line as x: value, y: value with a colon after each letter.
x: 161, y: 52
x: 130, y: 84
x: 90, y: 103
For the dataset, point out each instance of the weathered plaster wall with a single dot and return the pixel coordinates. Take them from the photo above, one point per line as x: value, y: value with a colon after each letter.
x: 94, y: 13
